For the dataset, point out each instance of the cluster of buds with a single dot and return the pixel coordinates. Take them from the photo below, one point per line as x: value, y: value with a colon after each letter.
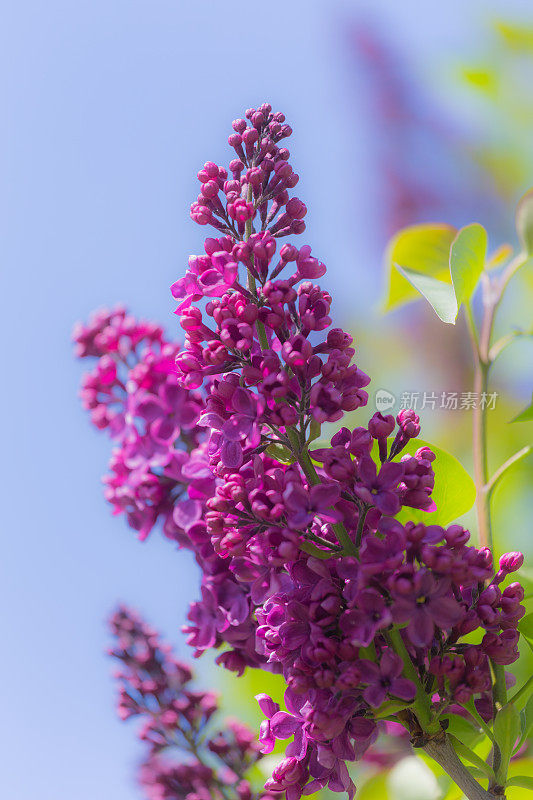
x: 260, y: 180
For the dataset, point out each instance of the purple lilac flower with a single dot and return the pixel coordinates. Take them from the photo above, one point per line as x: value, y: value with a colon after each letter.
x: 384, y: 680
x: 367, y: 613
x: 377, y: 489
x: 423, y: 601
x: 304, y: 569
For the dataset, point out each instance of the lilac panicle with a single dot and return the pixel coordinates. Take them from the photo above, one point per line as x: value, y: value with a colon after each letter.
x: 305, y: 569
x: 187, y: 756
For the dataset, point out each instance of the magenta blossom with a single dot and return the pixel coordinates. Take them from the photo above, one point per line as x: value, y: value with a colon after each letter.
x: 378, y: 488
x: 384, y: 680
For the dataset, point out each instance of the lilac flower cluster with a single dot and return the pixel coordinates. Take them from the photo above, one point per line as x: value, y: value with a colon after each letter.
x: 159, y: 469
x: 305, y: 570
x: 187, y: 756
x: 133, y: 392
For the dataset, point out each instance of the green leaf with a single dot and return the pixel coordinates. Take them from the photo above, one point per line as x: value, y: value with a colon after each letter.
x: 237, y: 697
x: 530, y: 644
x: 524, y: 221
x: 518, y: 768
x: 526, y: 415
x: 517, y: 37
x: 525, y: 626
x: 520, y: 697
x: 521, y: 766
x: 314, y: 431
x: 526, y: 579
x: 521, y: 781
x: 463, y: 730
x: 467, y: 260
x: 528, y: 718
x: 423, y: 248
x: 280, y: 453
x: 526, y: 723
x: 389, y: 708
x: 454, y: 493
x: 481, y: 79
x: 506, y: 732
x: 478, y: 774
x: 439, y: 294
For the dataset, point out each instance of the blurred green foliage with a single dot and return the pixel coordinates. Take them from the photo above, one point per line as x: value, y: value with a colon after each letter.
x: 499, y: 81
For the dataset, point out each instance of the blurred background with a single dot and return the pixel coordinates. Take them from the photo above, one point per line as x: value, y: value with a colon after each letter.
x: 401, y: 113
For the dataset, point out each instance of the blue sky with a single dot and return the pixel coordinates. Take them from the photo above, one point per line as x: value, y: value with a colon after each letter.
x: 111, y: 109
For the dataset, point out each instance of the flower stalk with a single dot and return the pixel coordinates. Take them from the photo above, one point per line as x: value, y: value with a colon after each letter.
x: 484, y: 354
x: 441, y: 750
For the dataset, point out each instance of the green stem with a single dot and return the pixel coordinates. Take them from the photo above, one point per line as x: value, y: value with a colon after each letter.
x: 313, y: 537
x: 512, y: 267
x: 441, y: 750
x: 349, y: 548
x: 472, y: 710
x: 479, y: 429
x: 439, y: 746
x: 360, y: 525
x: 259, y: 326
x: 481, y: 347
x: 312, y: 550
x: 499, y: 690
x: 301, y: 454
x: 304, y: 459
x: 491, y: 485
x: 498, y: 347
x: 525, y: 690
x: 252, y: 286
x: 422, y: 706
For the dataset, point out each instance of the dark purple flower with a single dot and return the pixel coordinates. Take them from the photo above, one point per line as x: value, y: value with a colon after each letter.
x: 422, y: 601
x: 377, y: 489
x: 384, y: 679
x: 303, y: 505
x: 368, y: 615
